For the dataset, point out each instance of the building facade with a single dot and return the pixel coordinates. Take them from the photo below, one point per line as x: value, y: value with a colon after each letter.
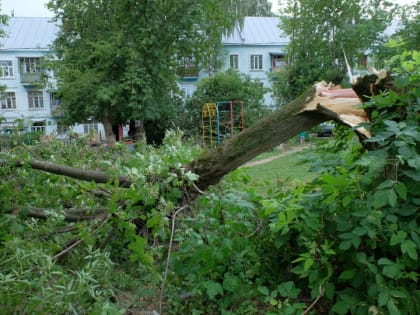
x: 27, y: 100
x: 22, y: 50
x: 257, y: 48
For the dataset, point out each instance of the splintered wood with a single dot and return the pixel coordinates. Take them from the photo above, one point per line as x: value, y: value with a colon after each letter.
x: 342, y: 105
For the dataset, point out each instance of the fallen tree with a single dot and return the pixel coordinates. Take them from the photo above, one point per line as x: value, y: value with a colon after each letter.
x: 320, y: 103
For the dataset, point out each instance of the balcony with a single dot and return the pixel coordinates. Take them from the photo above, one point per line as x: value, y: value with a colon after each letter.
x: 30, y: 70
x: 30, y: 78
x: 277, y: 69
x: 188, y: 71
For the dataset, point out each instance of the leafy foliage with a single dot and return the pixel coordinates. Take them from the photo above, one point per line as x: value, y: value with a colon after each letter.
x: 349, y: 240
x: 345, y: 243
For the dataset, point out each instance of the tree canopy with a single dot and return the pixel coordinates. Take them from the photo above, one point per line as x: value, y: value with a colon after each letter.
x: 117, y: 60
x: 320, y: 31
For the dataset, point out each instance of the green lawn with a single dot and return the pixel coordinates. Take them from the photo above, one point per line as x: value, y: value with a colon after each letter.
x: 284, y: 170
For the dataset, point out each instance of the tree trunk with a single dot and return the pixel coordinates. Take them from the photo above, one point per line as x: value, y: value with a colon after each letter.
x: 136, y: 130
x: 301, y: 114
x: 109, y: 133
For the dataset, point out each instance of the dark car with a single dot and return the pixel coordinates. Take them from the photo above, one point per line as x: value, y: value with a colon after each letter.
x: 325, y: 130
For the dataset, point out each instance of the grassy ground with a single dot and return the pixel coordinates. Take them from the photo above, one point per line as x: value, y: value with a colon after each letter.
x: 279, y: 169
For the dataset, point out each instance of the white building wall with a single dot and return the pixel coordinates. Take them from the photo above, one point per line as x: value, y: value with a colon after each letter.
x: 13, y: 84
x: 244, y: 64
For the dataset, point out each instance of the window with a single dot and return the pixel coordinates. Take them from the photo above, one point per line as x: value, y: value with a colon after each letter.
x: 6, y: 69
x: 35, y: 99
x: 88, y: 128
x: 256, y: 62
x: 38, y: 126
x: 8, y: 100
x: 233, y: 61
x: 54, y: 100
x: 278, y: 62
x: 187, y: 91
x: 30, y: 64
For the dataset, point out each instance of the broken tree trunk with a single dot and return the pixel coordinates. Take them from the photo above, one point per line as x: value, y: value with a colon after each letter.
x: 313, y: 107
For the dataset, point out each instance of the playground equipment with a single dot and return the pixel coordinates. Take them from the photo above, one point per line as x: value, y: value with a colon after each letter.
x: 221, y: 120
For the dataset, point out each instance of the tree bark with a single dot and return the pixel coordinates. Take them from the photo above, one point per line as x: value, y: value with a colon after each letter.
x: 109, y: 133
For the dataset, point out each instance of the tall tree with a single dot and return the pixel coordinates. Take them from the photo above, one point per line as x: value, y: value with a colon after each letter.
x: 117, y: 59
x: 319, y: 33
x: 407, y: 34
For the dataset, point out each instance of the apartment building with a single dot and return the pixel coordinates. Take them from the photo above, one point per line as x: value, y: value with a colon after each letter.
x: 257, y: 48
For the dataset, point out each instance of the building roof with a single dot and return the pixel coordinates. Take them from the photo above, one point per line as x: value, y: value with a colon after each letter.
x: 28, y: 33
x: 257, y: 31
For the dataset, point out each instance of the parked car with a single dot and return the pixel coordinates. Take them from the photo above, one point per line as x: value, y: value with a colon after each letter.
x: 325, y: 130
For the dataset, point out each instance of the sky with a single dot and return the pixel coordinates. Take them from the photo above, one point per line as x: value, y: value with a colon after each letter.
x: 36, y: 8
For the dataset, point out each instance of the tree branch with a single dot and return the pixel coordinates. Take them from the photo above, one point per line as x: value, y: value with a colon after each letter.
x: 77, y: 173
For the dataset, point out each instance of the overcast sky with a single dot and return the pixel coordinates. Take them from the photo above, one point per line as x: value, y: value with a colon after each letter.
x: 36, y: 8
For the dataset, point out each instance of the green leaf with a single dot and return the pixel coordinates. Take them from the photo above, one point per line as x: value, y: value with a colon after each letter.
x: 410, y: 248
x: 383, y: 297
x: 392, y: 198
x: 398, y: 294
x: 138, y: 251
x: 347, y: 274
x: 380, y: 198
x: 360, y: 231
x: 341, y: 307
x: 398, y: 238
x: 212, y: 288
x: 231, y: 282
x: 392, y: 271
x: 401, y: 190
x: 288, y: 289
x: 346, y: 236
x: 392, y: 309
x: 308, y: 263
x: 329, y: 290
x: 263, y: 290
x: 345, y: 245
x: 386, y: 184
x: 385, y: 261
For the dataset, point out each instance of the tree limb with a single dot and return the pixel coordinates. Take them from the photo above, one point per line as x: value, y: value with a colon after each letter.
x: 77, y: 173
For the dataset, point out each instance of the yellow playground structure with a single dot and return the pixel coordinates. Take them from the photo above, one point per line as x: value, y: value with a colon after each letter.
x: 221, y: 120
